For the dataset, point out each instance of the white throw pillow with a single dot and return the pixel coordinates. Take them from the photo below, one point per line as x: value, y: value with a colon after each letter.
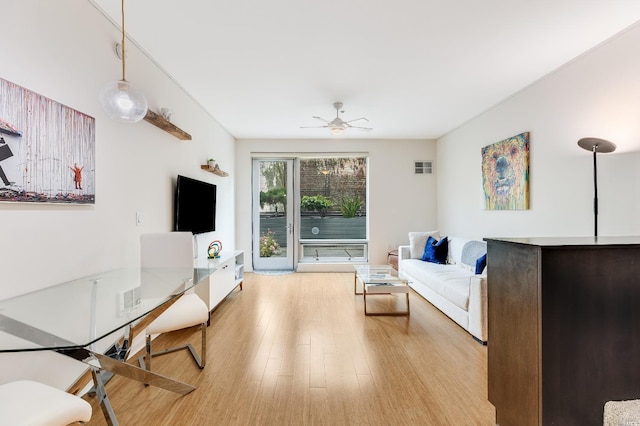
x: 417, y: 241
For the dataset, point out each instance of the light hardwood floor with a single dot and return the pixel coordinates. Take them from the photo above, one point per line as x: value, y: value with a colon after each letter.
x: 297, y: 350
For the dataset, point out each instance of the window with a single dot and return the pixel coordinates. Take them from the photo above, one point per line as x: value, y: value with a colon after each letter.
x: 333, y: 209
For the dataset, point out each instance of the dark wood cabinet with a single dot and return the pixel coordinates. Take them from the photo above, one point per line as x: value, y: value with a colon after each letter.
x: 564, y: 328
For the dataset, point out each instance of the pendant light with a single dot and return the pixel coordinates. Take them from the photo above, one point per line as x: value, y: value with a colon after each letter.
x: 121, y: 100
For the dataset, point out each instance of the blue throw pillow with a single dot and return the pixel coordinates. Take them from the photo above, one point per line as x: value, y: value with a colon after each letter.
x: 436, y: 251
x: 481, y: 263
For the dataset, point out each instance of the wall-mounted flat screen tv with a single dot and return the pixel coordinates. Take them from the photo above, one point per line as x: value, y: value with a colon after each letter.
x: 195, y: 206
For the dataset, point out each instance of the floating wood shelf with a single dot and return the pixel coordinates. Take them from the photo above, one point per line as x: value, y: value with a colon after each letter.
x: 215, y: 171
x: 162, y: 123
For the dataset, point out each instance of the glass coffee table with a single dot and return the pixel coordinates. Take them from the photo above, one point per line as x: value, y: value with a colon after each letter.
x: 380, y: 279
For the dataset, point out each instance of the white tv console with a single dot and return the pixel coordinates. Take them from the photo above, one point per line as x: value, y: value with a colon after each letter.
x: 229, y: 274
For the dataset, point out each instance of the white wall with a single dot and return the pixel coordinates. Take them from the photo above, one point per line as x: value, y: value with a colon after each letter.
x: 64, y: 50
x: 399, y: 200
x: 596, y: 95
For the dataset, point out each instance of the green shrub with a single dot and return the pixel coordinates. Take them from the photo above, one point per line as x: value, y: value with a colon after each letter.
x: 349, y: 206
x: 317, y: 203
x: 273, y: 197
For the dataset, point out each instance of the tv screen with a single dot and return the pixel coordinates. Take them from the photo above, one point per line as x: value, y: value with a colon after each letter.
x: 195, y: 207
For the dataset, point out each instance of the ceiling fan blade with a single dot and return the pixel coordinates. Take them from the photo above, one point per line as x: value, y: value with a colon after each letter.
x: 365, y: 129
x: 338, y: 124
x: 356, y: 119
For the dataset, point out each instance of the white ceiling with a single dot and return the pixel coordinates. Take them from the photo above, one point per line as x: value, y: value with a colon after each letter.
x: 416, y: 69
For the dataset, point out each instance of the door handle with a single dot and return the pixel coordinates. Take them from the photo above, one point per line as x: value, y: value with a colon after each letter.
x: 289, y: 228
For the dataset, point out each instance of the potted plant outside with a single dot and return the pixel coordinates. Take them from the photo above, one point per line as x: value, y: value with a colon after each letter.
x: 318, y: 203
x: 350, y: 206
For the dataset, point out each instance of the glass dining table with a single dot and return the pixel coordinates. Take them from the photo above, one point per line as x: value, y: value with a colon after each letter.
x: 87, y: 317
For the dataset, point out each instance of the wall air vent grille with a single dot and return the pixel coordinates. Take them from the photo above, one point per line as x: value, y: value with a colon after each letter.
x: 423, y: 167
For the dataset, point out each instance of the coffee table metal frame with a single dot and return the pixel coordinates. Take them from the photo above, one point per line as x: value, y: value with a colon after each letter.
x: 380, y: 280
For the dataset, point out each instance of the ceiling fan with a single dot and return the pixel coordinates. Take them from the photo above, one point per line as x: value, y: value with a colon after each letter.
x: 338, y: 125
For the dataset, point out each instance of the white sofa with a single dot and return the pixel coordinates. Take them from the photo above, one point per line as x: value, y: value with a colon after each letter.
x: 454, y: 287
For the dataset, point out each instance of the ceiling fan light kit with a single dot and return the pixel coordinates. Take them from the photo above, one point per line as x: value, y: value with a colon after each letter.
x: 121, y: 100
x: 337, y: 126
x: 337, y: 131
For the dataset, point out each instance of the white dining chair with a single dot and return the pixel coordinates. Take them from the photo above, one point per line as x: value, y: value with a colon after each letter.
x: 173, y: 250
x: 25, y: 402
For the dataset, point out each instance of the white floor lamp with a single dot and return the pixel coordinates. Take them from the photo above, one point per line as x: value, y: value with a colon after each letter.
x: 596, y: 146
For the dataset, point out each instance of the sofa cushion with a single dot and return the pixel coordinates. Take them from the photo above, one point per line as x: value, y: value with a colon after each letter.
x: 436, y: 251
x: 471, y: 252
x: 451, y: 282
x: 456, y: 244
x: 418, y: 240
x: 481, y: 263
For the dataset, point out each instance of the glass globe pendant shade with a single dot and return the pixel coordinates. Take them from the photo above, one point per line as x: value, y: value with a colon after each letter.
x: 123, y: 102
x: 337, y: 131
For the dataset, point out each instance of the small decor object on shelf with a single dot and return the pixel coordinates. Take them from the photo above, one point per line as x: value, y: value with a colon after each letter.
x: 212, y: 164
x: 165, y: 113
x: 214, y: 249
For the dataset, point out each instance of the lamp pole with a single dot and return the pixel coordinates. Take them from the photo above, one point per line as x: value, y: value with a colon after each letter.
x: 596, y: 145
x: 595, y: 191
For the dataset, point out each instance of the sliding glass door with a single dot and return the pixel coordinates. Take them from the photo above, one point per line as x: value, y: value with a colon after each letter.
x: 273, y: 201
x: 310, y: 210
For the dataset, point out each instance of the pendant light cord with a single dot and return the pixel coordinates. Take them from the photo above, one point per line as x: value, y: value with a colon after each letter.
x: 122, y: 45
